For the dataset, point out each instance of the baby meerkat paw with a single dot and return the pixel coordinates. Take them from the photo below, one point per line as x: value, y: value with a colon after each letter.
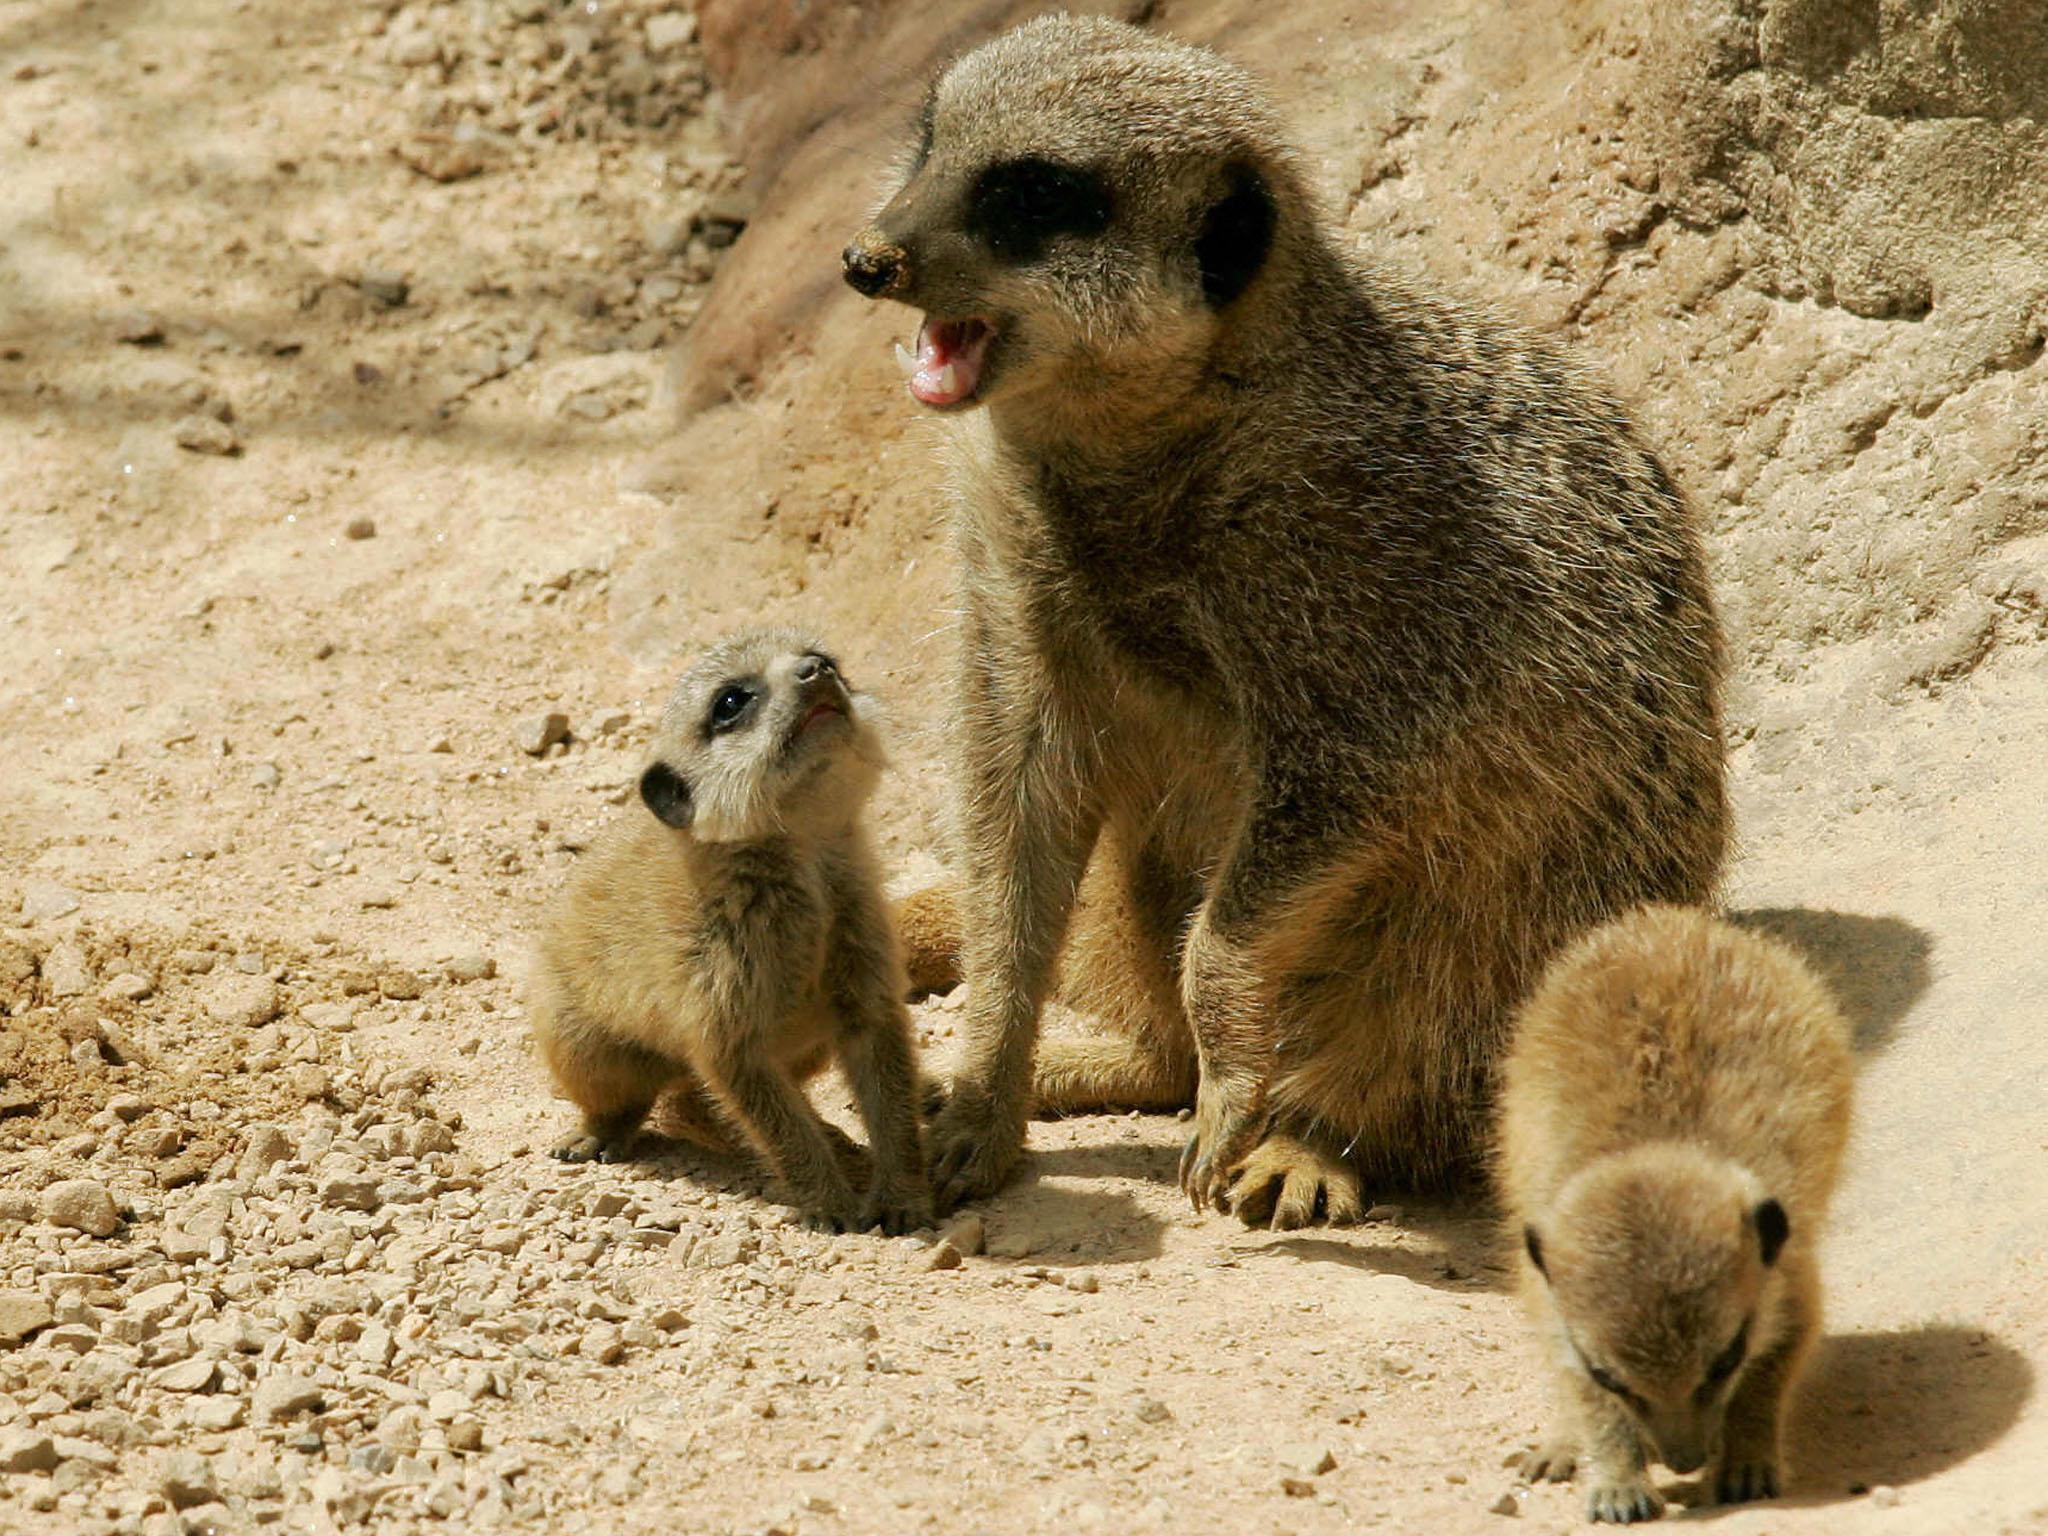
x: 1743, y: 1478
x: 1554, y: 1461
x: 1286, y: 1183
x: 1623, y: 1503
x: 589, y: 1147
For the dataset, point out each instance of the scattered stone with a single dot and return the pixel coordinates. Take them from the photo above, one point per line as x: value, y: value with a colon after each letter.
x: 83, y: 1205
x: 1151, y: 1411
x: 535, y: 735
x: 1297, y: 1487
x: 1082, y: 1281
x: 23, y: 1450
x: 282, y: 1395
x: 1511, y: 1502
x: 401, y: 986
x: 1308, y: 1458
x: 390, y: 289
x: 361, y: 528
x: 43, y: 901
x: 195, y: 1375
x: 670, y: 30
x: 268, y: 1146
x: 128, y: 987
x: 137, y: 327
x: 65, y: 972
x: 309, y: 1080
x: 206, y: 434
x: 967, y: 1233
x: 472, y: 966
x: 22, y: 1313
x: 17, y: 1100
x: 244, y: 1002
x: 188, y: 1480
x: 351, y: 1192
x: 602, y: 1344
x: 943, y: 1255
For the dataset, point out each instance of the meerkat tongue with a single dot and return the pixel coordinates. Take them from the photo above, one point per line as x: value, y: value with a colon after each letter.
x: 947, y: 367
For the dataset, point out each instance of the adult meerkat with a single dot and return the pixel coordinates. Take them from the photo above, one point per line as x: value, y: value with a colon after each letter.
x: 1356, y: 638
x: 1675, y: 1105
x: 730, y: 938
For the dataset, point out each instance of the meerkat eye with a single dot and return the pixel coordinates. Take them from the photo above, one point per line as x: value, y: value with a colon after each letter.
x: 1729, y: 1359
x: 1018, y: 205
x: 731, y: 703
x: 1607, y: 1381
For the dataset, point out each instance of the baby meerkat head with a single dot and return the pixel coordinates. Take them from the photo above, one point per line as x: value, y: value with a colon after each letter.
x: 1085, y: 207
x: 1662, y: 1263
x: 761, y: 738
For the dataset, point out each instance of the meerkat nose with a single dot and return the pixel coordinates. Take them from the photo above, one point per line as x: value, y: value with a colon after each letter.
x: 872, y: 268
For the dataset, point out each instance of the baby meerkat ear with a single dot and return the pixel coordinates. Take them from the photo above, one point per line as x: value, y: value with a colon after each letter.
x: 667, y: 794
x: 1772, y: 1228
x: 1237, y: 234
x: 1534, y: 1244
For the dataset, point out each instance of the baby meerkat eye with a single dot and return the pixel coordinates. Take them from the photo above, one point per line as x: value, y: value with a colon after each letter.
x: 1018, y: 205
x: 731, y: 703
x: 1729, y: 1359
x: 1607, y: 1381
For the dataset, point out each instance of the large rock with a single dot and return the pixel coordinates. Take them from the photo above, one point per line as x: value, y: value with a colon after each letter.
x: 83, y: 1205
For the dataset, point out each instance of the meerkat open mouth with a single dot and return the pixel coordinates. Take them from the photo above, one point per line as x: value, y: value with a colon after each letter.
x: 817, y: 712
x: 946, y: 368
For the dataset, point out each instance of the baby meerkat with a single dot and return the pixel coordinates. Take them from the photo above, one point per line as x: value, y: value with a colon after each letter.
x: 1331, y: 654
x: 727, y: 940
x: 1676, y: 1102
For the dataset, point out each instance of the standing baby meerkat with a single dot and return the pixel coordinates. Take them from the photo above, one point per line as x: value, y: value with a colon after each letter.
x: 1675, y: 1106
x: 728, y: 939
x: 1345, y: 639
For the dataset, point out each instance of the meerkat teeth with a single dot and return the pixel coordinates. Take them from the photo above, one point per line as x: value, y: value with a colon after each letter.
x: 949, y: 379
x: 906, y: 360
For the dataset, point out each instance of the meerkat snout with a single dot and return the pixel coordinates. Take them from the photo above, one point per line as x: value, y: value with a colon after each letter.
x: 1657, y: 1261
x: 1056, y: 239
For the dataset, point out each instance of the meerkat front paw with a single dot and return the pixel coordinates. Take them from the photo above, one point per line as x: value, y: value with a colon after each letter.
x: 1554, y: 1461
x: 1743, y: 1478
x: 1228, y: 1123
x: 1623, y: 1502
x: 973, y: 1149
x: 1286, y: 1183
x: 897, y: 1210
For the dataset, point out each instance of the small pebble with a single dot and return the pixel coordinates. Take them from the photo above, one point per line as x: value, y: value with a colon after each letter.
x: 83, y: 1205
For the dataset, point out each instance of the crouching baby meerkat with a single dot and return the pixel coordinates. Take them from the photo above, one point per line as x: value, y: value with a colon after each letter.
x: 731, y: 935
x: 1675, y: 1105
x: 1338, y: 649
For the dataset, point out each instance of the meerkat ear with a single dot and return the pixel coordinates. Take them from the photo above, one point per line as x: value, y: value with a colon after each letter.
x: 1534, y: 1244
x: 1772, y: 1228
x: 1237, y: 234
x: 667, y: 794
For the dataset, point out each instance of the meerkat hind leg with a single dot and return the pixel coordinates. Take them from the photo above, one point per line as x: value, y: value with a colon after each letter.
x: 1290, y: 1182
x: 1075, y: 1076
x: 614, y: 1083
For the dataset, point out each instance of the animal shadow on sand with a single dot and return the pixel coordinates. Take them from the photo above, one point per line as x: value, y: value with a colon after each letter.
x: 1451, y: 1246
x: 1895, y: 1407
x: 1877, y: 967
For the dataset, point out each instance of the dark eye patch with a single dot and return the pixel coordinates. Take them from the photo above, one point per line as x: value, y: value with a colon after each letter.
x: 1017, y: 206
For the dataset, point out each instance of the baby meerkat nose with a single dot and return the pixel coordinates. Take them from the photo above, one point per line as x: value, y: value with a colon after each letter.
x: 873, y: 266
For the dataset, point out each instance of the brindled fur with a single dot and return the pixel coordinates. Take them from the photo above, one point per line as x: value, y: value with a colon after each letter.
x: 730, y: 936
x: 1350, y: 632
x: 1674, y: 1110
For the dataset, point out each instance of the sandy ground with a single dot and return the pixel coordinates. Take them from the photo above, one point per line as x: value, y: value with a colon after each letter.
x: 317, y: 502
